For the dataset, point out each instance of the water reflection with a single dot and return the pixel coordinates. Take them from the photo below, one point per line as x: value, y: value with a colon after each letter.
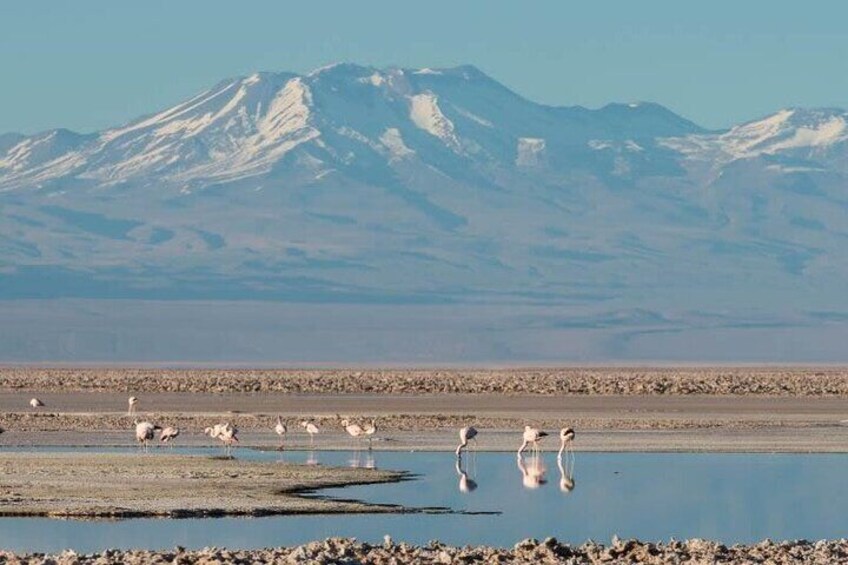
x: 311, y: 457
x: 370, y: 461
x: 729, y: 497
x: 532, y: 470
x: 566, y: 474
x: 363, y: 460
x: 466, y: 483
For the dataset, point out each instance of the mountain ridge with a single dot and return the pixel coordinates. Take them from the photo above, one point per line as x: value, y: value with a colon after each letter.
x: 358, y: 184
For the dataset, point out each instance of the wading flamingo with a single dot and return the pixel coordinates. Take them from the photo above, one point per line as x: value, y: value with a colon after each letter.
x: 36, y: 403
x: 226, y: 433
x: 311, y: 429
x: 566, y: 437
x: 353, y: 430
x: 144, y: 432
x: 169, y: 434
x: 531, y: 437
x: 280, y: 429
x: 466, y: 434
x: 131, y: 404
x: 370, y: 430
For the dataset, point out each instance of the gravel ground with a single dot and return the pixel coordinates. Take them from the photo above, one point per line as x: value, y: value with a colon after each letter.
x: 605, y: 381
x: 348, y: 551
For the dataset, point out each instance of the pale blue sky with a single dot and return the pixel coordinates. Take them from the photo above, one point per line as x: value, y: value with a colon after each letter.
x: 88, y: 65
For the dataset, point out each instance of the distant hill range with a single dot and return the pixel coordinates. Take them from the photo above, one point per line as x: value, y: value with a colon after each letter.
x: 364, y: 185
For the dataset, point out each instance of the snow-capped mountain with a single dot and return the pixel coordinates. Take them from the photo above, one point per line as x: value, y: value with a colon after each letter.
x: 245, y: 127
x: 353, y: 183
x: 812, y: 134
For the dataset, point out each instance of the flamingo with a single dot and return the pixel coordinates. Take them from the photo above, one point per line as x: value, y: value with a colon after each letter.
x: 169, y: 434
x: 369, y: 431
x: 280, y: 429
x: 466, y: 434
x: 353, y: 430
x: 226, y: 433
x: 531, y: 437
x: 311, y: 429
x: 566, y: 437
x: 132, y: 402
x: 144, y: 432
x: 36, y: 403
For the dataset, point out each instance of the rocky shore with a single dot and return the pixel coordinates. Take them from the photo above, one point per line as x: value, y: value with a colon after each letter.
x: 549, y: 551
x: 561, y: 381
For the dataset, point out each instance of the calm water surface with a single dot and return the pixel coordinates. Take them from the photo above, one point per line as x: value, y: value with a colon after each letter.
x: 730, y: 497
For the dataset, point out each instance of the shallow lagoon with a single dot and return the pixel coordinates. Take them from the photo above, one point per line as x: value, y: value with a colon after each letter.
x: 652, y: 496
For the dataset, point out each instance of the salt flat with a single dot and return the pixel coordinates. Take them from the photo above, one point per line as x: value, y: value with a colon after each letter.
x: 774, y: 409
x: 99, y: 485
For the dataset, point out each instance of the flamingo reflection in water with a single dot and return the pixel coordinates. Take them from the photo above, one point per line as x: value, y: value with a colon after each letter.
x: 566, y: 471
x: 566, y: 476
x: 358, y: 461
x: 532, y: 470
x: 312, y: 457
x: 466, y: 483
x: 370, y: 462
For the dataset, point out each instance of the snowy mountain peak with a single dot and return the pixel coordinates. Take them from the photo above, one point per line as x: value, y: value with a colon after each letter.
x: 812, y: 133
x: 357, y: 119
x: 338, y: 115
x: 791, y: 128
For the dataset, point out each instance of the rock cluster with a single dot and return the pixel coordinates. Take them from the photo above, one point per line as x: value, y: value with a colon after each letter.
x: 348, y: 551
x: 566, y: 381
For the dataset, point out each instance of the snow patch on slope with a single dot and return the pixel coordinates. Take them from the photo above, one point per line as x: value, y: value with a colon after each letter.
x: 530, y: 151
x: 169, y: 114
x: 375, y: 79
x: 288, y: 111
x: 393, y: 141
x: 626, y: 145
x: 826, y: 133
x: 473, y: 117
x: 237, y: 136
x: 426, y: 114
x: 427, y: 71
